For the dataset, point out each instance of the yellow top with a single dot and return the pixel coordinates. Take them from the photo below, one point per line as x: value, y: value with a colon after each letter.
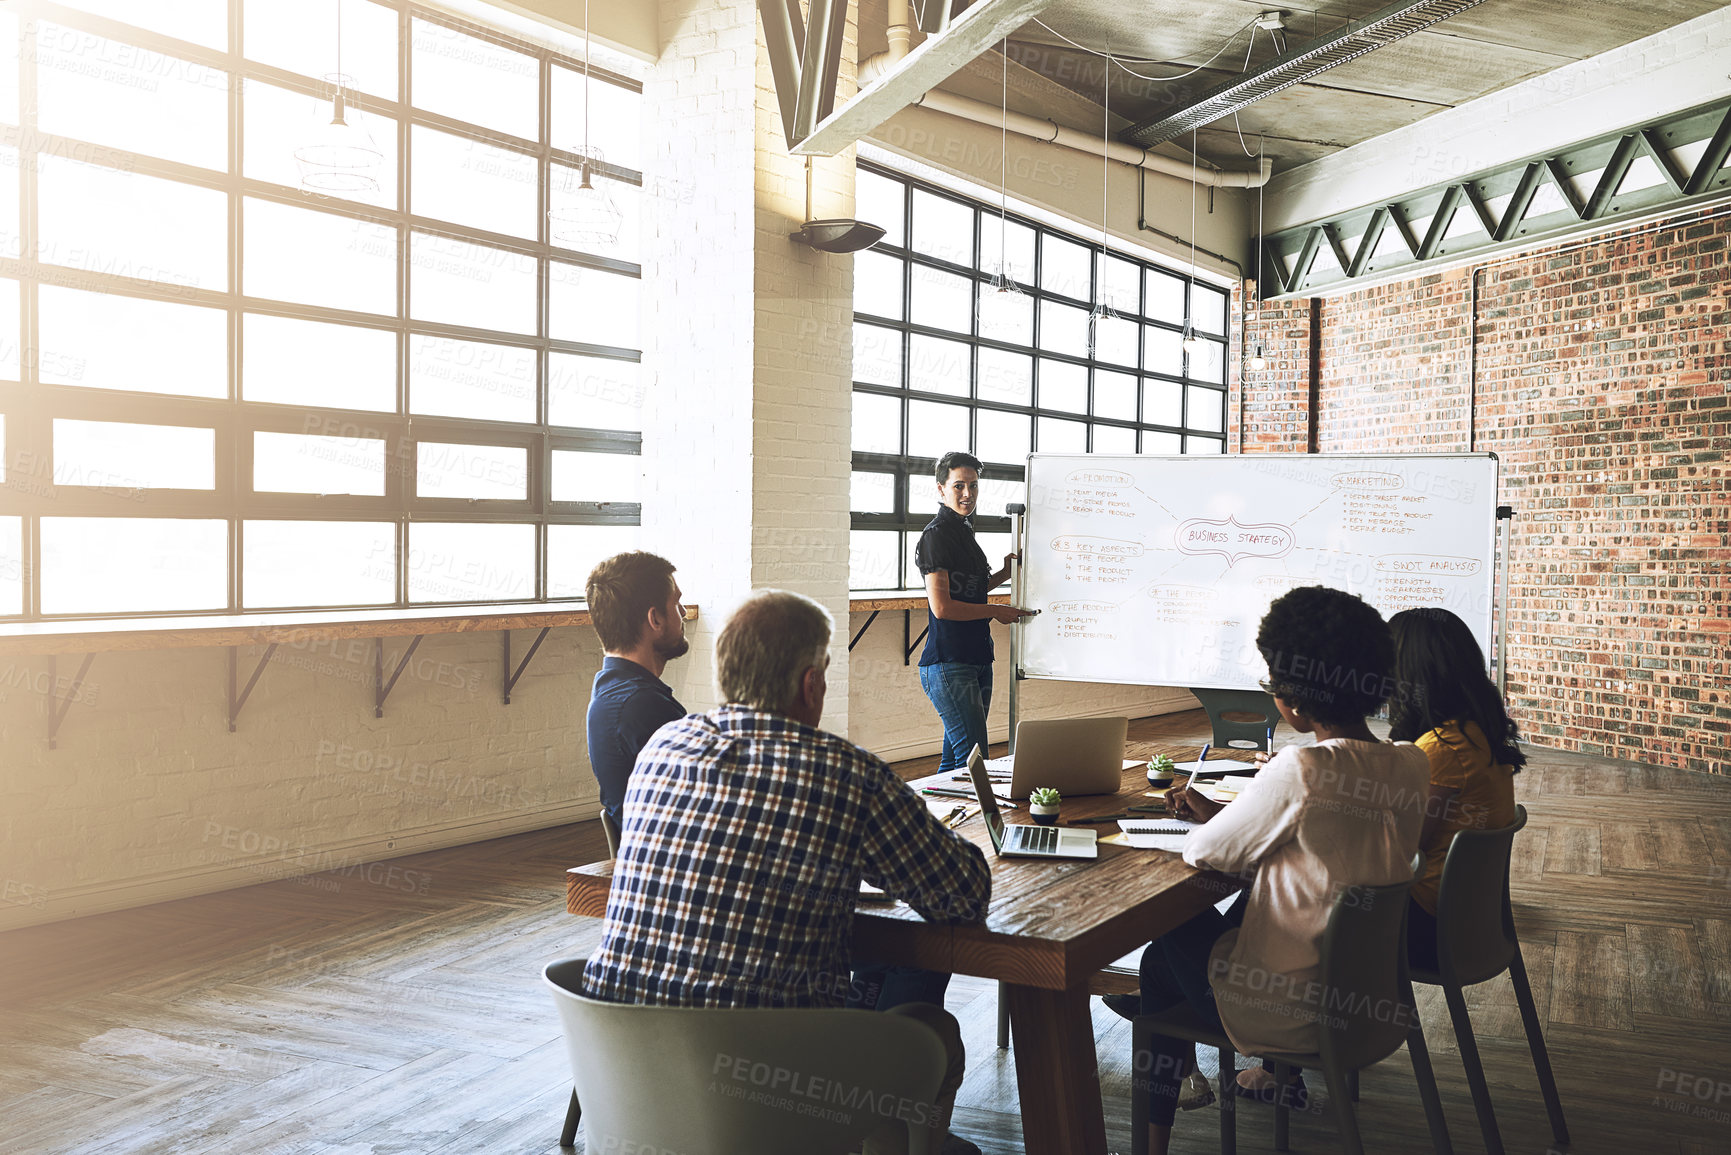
x: 1461, y: 760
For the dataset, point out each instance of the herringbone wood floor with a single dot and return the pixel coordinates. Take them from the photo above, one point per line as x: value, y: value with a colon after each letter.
x: 333, y: 1016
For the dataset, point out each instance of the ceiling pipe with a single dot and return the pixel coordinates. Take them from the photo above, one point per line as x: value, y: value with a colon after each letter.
x: 1037, y: 128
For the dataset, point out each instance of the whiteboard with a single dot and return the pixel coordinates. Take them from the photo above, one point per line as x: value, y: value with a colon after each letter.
x: 1156, y: 571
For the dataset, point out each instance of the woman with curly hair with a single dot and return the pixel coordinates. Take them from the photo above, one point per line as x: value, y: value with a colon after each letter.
x: 1315, y: 819
x: 1445, y: 702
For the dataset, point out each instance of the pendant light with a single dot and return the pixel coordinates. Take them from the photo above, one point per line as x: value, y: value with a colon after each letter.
x: 1102, y: 312
x: 1005, y: 299
x: 1192, y: 343
x: 339, y: 154
x: 1259, y: 356
x: 585, y: 216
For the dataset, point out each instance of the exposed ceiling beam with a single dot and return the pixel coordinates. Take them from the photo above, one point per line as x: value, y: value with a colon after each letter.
x: 1298, y: 64
x: 934, y: 61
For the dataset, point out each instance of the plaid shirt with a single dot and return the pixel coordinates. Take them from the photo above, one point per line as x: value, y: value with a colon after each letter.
x: 746, y: 836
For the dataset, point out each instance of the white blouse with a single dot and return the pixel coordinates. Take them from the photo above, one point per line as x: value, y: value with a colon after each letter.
x: 1316, y: 818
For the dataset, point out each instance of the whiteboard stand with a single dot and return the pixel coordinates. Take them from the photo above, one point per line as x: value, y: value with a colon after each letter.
x: 1016, y: 510
x: 1505, y: 532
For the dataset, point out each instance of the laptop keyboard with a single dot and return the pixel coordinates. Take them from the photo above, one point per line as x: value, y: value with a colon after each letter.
x: 1041, y: 839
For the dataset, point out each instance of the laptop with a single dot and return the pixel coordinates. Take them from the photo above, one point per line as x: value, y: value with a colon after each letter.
x: 1071, y: 755
x: 1026, y: 841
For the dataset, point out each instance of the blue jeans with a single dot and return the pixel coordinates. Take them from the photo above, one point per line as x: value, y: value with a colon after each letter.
x: 962, y: 693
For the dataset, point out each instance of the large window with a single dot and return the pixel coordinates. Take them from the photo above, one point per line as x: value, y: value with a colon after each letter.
x: 222, y: 391
x: 1087, y: 356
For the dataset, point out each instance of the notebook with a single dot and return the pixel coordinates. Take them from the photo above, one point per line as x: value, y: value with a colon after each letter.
x: 1156, y: 833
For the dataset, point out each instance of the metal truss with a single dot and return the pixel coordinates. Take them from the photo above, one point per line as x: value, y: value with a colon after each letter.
x: 1674, y: 162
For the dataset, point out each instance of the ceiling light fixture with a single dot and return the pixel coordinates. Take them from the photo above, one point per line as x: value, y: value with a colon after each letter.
x: 340, y: 155
x: 1102, y: 313
x: 584, y: 217
x: 1002, y: 283
x: 1192, y: 344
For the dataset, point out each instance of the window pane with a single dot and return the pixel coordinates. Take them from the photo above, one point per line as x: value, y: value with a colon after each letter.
x: 872, y: 562
x: 594, y: 392
x: 1004, y: 437
x: 461, y: 283
x: 1120, y: 283
x: 125, y: 456
x: 303, y: 38
x: 1165, y: 297
x: 467, y: 78
x: 1062, y: 436
x: 594, y: 307
x: 615, y: 125
x: 934, y: 428
x: 1208, y: 363
x: 462, y: 180
x: 452, y: 378
x: 873, y: 493
x: 998, y: 235
x: 1114, y: 439
x: 471, y: 562
x: 105, y: 565
x: 1114, y: 395
x: 1162, y: 403
x: 11, y: 565
x: 91, y: 88
x: 1006, y: 316
x: 877, y: 284
x: 127, y: 224
x: 943, y: 228
x: 476, y: 472
x: 296, y: 254
x: 1115, y: 340
x: 877, y: 355
x: 1204, y: 445
x: 877, y: 424
x: 109, y: 342
x: 295, y: 362
x: 605, y: 477
x: 939, y: 366
x: 941, y: 300
x: 995, y: 546
x: 1162, y: 351
x: 1207, y: 409
x: 1063, y: 329
x: 318, y: 563
x: 996, y: 494
x: 279, y: 123
x: 1063, y: 386
x: 1005, y: 377
x: 298, y: 463
x: 573, y: 551
x: 878, y: 201
x: 200, y: 21
x: 1208, y: 309
x: 1065, y: 267
x: 571, y: 230
x: 1161, y: 443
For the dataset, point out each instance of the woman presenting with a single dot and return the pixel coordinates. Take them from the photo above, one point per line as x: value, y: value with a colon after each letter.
x: 956, y: 667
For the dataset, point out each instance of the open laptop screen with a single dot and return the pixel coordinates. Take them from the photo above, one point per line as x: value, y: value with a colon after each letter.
x: 988, y: 803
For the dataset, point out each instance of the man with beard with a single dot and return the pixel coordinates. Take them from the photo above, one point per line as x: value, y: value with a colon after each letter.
x: 634, y: 605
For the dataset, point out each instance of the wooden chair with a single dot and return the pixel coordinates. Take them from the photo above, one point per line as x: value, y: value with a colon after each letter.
x: 1240, y: 733
x: 1363, y: 954
x: 669, y: 1078
x: 1476, y: 942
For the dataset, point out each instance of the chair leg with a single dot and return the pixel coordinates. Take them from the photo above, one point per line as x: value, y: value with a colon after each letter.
x: 1475, y: 1068
x: 1536, y: 1043
x: 1343, y: 1112
x: 1003, y: 1018
x: 1141, y: 1063
x: 1352, y: 1083
x: 1426, y: 1079
x: 1282, y: 1117
x: 568, y: 1136
x: 1228, y: 1105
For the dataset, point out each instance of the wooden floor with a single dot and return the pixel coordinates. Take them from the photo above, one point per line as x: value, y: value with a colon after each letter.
x: 344, y: 1016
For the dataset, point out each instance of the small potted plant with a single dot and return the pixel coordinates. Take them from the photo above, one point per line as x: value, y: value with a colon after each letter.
x: 1043, y: 806
x: 1160, y: 769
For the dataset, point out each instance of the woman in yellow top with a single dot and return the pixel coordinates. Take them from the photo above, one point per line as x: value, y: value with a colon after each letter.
x: 1446, y: 704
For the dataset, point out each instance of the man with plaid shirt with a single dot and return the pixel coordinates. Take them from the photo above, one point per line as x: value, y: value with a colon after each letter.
x: 747, y: 832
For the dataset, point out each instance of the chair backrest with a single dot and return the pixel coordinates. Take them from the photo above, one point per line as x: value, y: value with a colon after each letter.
x: 1364, y: 1011
x: 611, y: 829
x: 745, y: 1082
x: 1475, y: 923
x: 1240, y: 733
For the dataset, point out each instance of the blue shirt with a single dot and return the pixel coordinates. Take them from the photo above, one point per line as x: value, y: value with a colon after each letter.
x: 948, y: 544
x: 627, y: 706
x: 747, y: 835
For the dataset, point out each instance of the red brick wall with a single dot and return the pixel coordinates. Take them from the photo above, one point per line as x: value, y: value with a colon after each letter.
x: 1276, y: 400
x: 1602, y: 379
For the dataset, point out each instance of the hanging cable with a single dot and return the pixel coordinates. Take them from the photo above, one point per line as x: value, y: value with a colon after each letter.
x: 1121, y: 61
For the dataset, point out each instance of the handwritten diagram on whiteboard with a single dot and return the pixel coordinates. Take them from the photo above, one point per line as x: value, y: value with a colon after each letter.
x: 1156, y: 570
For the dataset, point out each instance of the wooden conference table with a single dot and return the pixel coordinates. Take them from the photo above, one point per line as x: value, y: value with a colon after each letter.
x: 1052, y: 926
